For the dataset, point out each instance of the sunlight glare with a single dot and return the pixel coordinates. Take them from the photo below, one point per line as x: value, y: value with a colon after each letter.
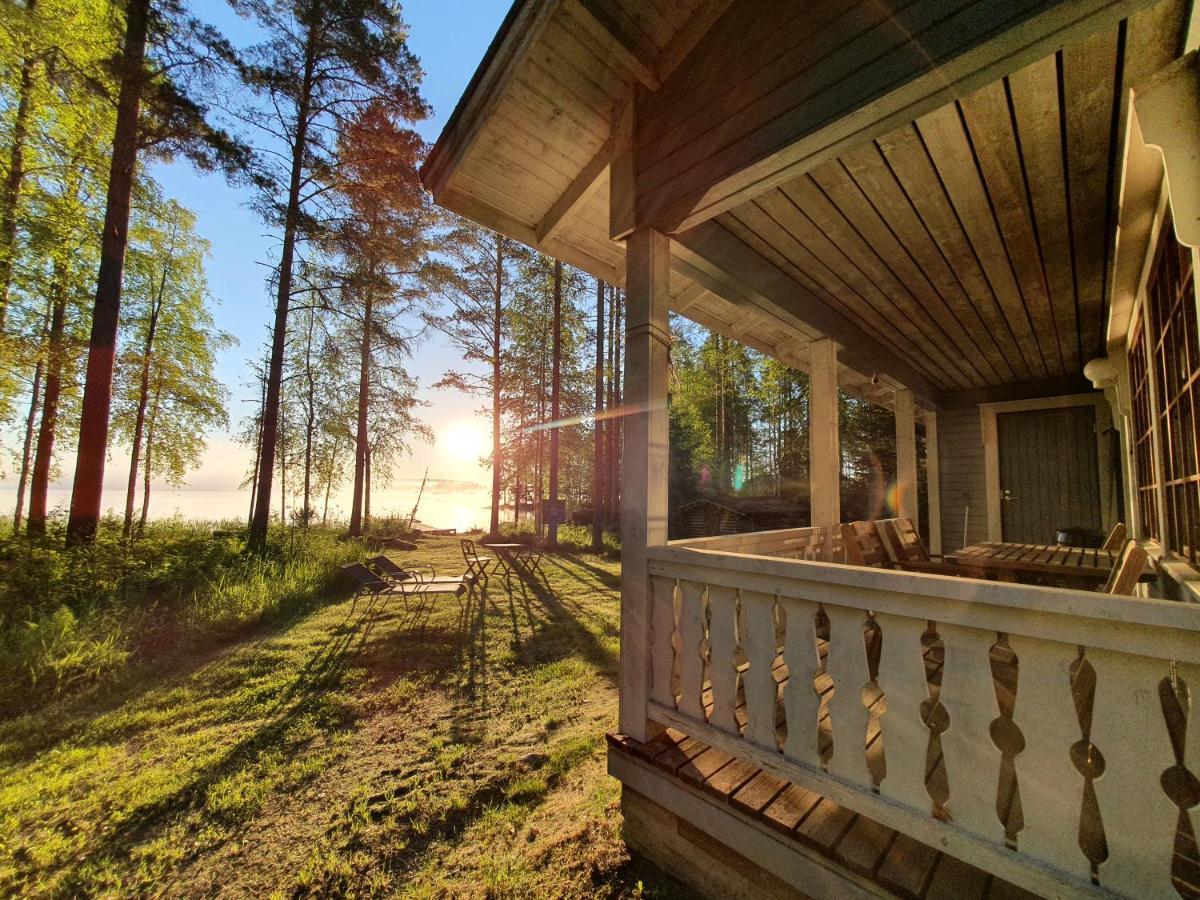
x: 464, y: 442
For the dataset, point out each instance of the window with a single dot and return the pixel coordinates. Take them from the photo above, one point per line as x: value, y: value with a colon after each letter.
x: 1170, y: 340
x: 1143, y: 434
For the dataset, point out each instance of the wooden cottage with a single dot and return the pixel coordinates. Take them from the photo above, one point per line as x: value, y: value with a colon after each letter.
x: 983, y: 215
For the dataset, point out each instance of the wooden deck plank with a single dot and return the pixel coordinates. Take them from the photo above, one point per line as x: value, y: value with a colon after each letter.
x: 730, y: 778
x: 953, y: 879
x: 701, y: 766
x: 907, y: 866
x: 790, y: 808
x: 757, y: 794
x: 865, y: 845
x: 824, y: 826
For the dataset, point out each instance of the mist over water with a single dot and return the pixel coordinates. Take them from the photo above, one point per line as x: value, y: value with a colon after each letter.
x: 445, y: 504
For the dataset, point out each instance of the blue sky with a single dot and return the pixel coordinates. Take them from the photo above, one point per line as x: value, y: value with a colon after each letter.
x: 450, y: 37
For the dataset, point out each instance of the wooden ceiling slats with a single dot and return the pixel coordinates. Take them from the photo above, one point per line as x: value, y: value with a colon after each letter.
x: 574, y: 64
x: 648, y: 21
x: 1089, y: 76
x: 774, y: 228
x: 997, y: 153
x: 974, y: 241
x: 509, y: 131
x: 1039, y: 127
x: 566, y: 124
x: 841, y: 212
x: 477, y: 181
x: 946, y: 142
x: 912, y: 167
x: 689, y: 153
x: 760, y: 39
x: 866, y: 166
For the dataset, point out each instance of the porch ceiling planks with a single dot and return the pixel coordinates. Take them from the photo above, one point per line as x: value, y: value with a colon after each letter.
x: 840, y: 72
x: 970, y: 246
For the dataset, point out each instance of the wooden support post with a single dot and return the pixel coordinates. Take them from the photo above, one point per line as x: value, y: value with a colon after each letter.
x: 906, y: 455
x: 644, y: 465
x: 933, y: 485
x: 825, y: 463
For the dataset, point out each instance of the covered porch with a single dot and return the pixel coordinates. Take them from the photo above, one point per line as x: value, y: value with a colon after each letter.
x: 958, y: 211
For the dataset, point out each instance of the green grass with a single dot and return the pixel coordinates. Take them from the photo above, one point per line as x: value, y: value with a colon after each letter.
x: 451, y: 749
x: 75, y: 619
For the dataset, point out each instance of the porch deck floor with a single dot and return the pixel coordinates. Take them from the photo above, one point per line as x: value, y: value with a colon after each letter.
x: 893, y: 860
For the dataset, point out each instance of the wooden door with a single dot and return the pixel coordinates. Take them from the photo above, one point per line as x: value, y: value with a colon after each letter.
x: 1049, y: 473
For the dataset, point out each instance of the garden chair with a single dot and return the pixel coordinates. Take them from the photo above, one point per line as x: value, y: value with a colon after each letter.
x: 368, y: 582
x: 476, y: 564
x: 907, y: 551
x: 1127, y: 571
x: 864, y: 546
x: 1116, y: 538
x: 391, y: 571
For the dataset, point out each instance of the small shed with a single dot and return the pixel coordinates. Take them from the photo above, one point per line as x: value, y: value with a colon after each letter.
x: 717, y: 514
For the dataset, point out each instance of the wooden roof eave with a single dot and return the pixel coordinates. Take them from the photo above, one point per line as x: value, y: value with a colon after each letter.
x: 522, y: 26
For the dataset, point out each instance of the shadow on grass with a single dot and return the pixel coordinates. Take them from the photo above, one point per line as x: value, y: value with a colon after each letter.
x: 305, y: 699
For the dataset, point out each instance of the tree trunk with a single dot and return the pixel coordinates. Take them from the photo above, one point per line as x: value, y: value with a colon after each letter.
x: 11, y: 198
x: 282, y: 473
x: 597, y: 427
x: 366, y: 519
x: 147, y: 469
x: 364, y: 405
x: 27, y: 445
x: 310, y: 422
x: 102, y: 347
x: 139, y: 422
x: 329, y: 483
x: 494, y: 525
x: 555, y: 391
x: 257, y: 450
x: 614, y: 462
x: 266, y: 466
x: 35, y: 403
x: 43, y: 458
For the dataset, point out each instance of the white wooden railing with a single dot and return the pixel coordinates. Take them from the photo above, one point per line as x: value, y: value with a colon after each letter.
x: 1036, y: 733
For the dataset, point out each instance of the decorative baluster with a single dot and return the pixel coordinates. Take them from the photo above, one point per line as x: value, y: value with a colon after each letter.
x: 1051, y: 788
x: 722, y: 639
x: 801, y: 702
x: 905, y: 737
x: 972, y: 760
x: 1129, y: 731
x: 662, y: 640
x: 758, y: 641
x: 847, y: 667
x: 691, y: 633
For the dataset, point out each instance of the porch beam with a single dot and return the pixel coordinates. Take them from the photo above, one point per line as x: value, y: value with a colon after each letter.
x: 933, y: 483
x: 688, y: 297
x: 856, y: 81
x: 644, y: 463
x: 576, y: 194
x: 906, y: 455
x: 630, y: 50
x: 824, y: 448
x: 1168, y: 108
x: 723, y: 258
x: 509, y: 226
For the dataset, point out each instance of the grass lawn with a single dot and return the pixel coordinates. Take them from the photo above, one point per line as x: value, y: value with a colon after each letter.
x: 455, y: 749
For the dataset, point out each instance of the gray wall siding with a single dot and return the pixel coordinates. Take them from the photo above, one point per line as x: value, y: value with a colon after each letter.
x: 960, y: 452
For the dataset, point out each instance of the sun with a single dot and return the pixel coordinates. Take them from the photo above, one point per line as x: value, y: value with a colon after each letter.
x: 464, y: 442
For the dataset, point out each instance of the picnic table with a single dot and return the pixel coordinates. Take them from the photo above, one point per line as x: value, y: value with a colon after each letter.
x: 520, y: 558
x: 1083, y: 567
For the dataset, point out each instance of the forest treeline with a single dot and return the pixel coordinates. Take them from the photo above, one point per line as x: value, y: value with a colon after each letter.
x: 107, y: 334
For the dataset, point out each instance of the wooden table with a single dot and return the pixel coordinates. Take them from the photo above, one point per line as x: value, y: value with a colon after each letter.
x: 1084, y: 567
x: 519, y: 558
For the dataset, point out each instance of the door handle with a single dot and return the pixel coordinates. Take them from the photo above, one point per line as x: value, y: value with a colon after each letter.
x: 1007, y: 495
